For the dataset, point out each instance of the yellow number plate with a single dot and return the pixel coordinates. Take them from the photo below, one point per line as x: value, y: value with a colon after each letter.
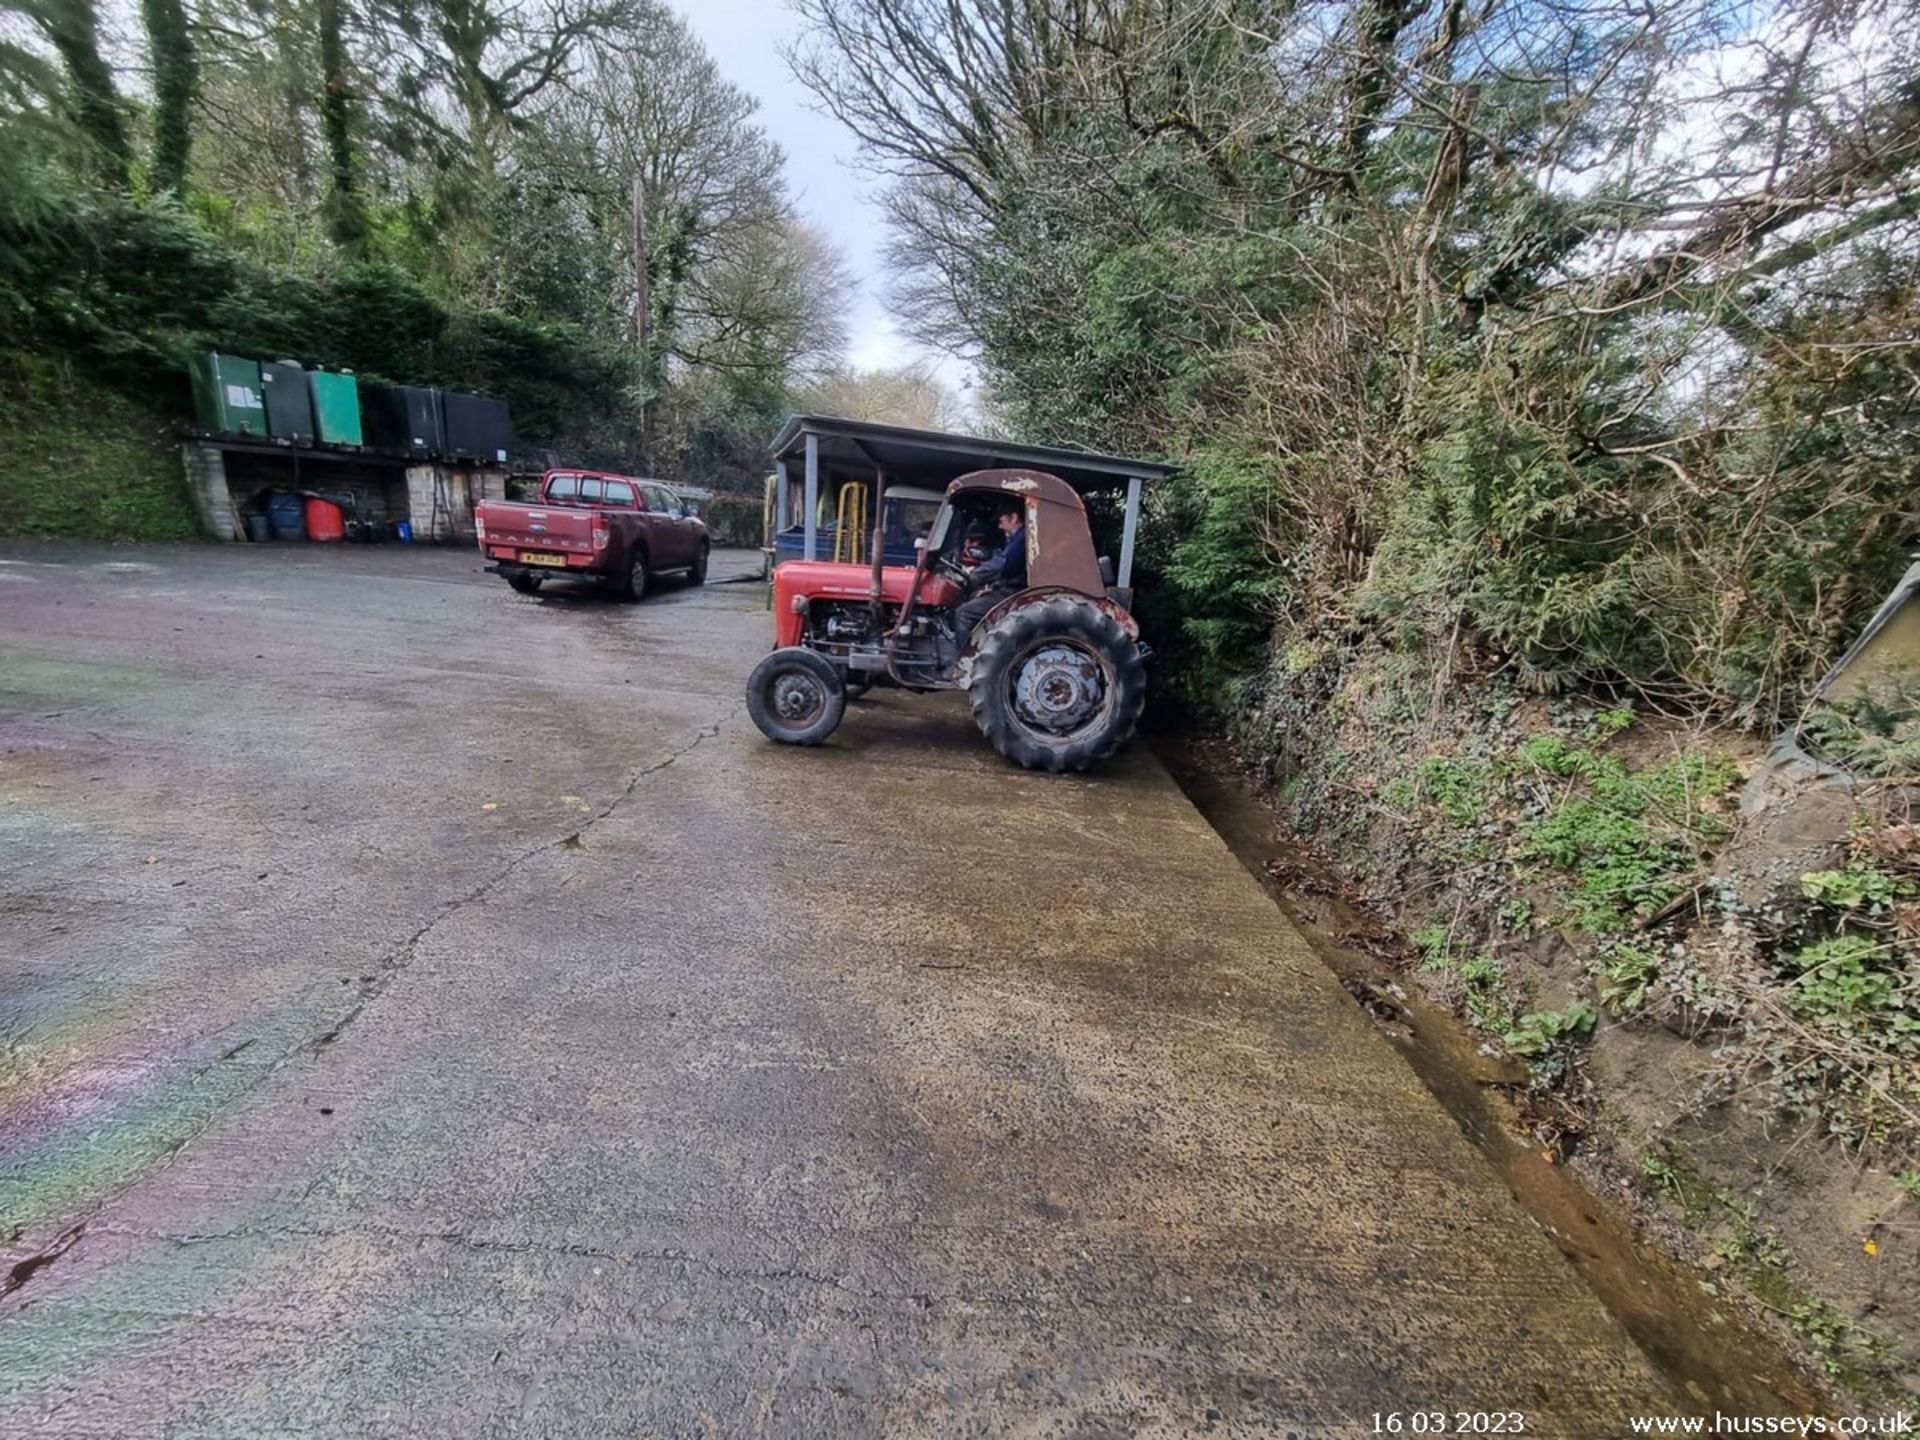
x: 534, y: 557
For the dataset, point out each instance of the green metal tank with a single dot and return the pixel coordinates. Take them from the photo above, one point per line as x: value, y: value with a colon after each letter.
x: 336, y: 407
x: 226, y: 394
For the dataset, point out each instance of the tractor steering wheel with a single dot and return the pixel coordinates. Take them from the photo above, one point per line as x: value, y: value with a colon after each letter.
x: 953, y: 569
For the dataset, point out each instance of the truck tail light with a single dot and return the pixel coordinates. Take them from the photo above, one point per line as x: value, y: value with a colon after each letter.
x: 600, y: 535
x: 480, y: 528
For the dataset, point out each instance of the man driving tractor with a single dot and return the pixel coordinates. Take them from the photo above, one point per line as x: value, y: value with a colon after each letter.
x: 994, y: 580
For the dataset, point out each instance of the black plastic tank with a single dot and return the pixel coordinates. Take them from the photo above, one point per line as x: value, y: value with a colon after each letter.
x: 402, y: 419
x: 289, y: 403
x: 476, y: 427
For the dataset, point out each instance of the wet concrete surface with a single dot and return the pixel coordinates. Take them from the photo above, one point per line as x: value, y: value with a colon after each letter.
x: 435, y: 1011
x: 1695, y: 1333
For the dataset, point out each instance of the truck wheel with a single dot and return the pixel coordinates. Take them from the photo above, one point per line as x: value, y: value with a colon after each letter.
x: 526, y: 584
x: 1058, y: 685
x: 796, y: 697
x: 698, y: 573
x: 635, y: 585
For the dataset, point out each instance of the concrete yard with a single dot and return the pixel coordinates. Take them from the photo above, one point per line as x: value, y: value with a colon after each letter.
x: 431, y: 1011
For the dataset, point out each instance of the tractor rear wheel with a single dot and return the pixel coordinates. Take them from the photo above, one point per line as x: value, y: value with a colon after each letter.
x: 796, y: 696
x: 1057, y: 685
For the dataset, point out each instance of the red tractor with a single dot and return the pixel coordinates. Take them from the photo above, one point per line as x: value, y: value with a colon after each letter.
x: 1054, y: 671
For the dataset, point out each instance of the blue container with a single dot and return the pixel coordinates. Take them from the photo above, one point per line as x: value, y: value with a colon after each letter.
x: 792, y: 545
x: 287, y: 515
x: 403, y: 532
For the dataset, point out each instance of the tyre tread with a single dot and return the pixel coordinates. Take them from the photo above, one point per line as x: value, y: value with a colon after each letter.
x: 986, y: 689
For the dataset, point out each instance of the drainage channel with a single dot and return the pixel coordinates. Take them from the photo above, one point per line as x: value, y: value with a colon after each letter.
x: 1719, y: 1356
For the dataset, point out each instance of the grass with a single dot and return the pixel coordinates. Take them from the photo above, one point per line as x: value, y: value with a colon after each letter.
x: 1766, y: 1267
x: 85, y: 462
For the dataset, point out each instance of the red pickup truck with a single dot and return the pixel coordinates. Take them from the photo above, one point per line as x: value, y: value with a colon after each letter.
x: 614, y: 528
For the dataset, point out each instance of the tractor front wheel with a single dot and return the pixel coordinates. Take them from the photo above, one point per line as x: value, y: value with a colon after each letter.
x: 1057, y: 685
x: 796, y: 696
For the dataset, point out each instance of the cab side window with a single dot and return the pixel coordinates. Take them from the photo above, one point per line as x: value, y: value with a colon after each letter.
x: 619, y: 492
x: 564, y: 489
x: 591, y: 492
x: 658, y: 500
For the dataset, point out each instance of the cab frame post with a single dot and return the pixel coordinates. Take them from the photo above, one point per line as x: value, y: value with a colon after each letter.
x: 1128, y: 531
x: 812, y: 520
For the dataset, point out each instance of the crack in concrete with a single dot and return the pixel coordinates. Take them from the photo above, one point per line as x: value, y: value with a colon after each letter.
x: 28, y: 1266
x: 391, y: 964
x: 399, y: 958
x: 482, y: 1245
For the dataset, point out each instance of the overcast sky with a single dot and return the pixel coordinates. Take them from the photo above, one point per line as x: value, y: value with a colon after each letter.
x: 744, y: 38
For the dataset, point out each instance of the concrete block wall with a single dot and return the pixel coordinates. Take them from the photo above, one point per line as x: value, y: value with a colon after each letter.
x: 441, y: 498
x: 206, y: 468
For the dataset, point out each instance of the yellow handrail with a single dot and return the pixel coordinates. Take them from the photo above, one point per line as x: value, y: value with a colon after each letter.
x: 850, y: 525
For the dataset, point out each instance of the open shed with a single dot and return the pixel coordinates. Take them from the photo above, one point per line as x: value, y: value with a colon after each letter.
x: 816, y: 455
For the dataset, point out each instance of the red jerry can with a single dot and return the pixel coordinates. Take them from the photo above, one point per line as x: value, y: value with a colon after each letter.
x: 325, y: 520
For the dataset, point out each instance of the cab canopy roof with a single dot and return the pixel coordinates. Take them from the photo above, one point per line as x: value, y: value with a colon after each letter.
x: 854, y: 449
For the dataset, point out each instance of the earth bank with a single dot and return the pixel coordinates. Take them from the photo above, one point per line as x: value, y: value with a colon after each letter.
x: 1705, y: 1010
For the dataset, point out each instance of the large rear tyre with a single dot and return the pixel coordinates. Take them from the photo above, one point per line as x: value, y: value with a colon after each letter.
x: 638, y: 576
x: 796, y: 696
x: 1057, y: 685
x: 697, y: 573
x: 526, y: 584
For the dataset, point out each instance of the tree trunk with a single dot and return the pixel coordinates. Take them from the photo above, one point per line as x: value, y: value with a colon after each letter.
x: 73, y: 29
x: 346, y: 216
x: 176, y: 74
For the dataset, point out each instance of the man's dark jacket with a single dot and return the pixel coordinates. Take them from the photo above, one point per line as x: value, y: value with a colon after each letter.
x: 1008, y: 569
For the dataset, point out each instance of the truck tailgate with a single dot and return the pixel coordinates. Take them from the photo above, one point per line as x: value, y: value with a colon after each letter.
x: 523, y: 532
